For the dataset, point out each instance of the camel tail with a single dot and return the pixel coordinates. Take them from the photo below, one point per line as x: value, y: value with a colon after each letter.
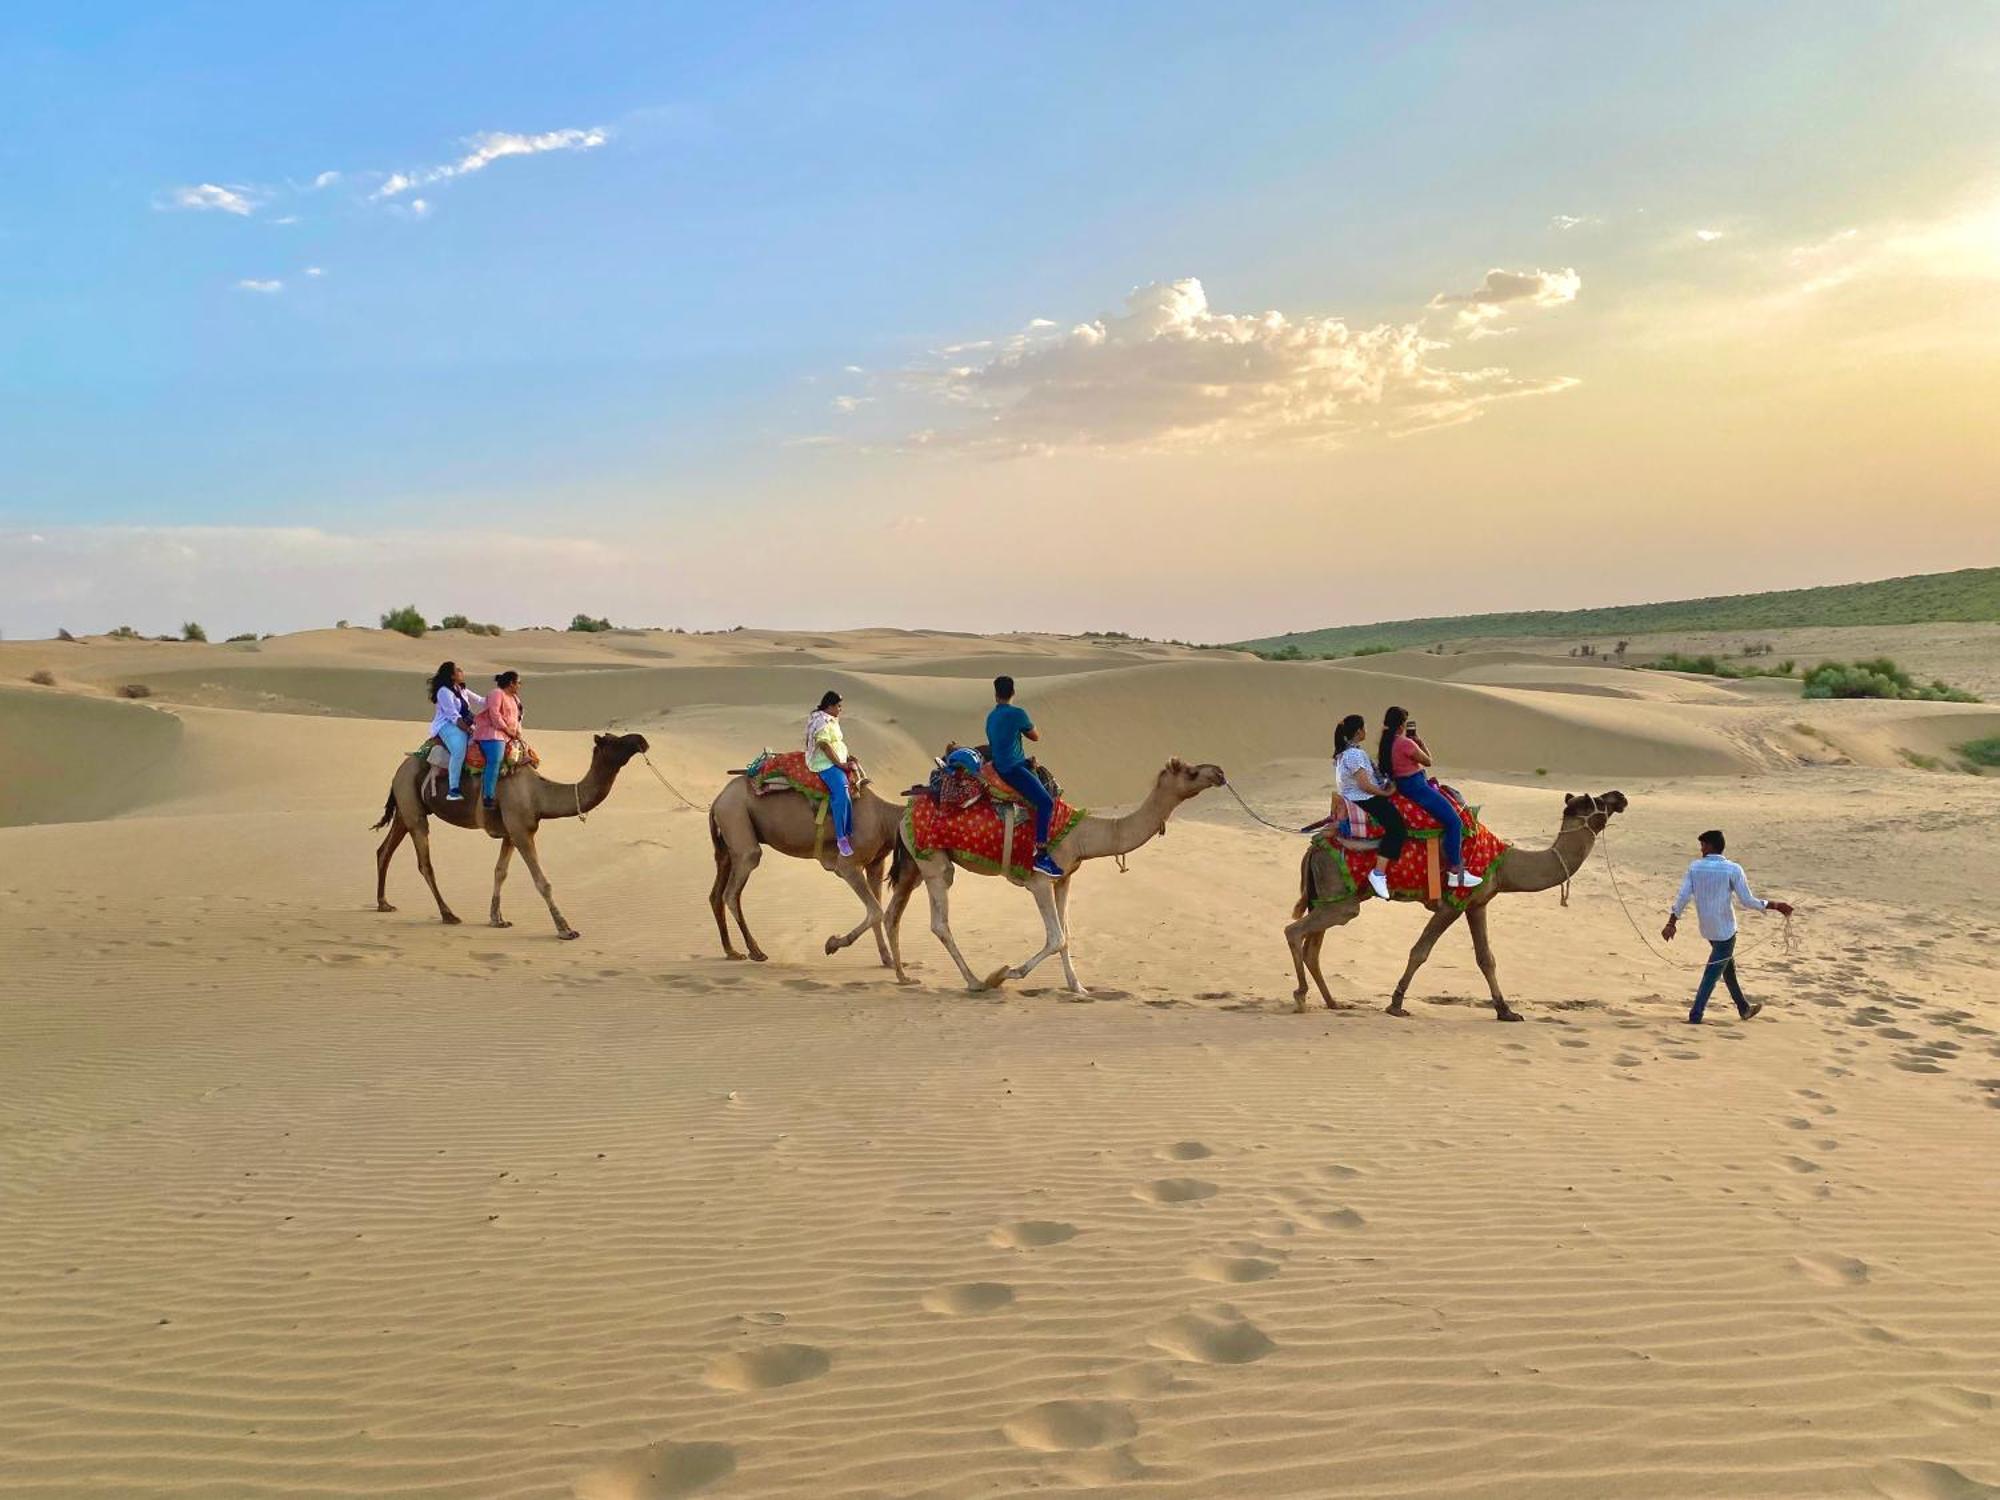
x: 901, y: 864
x: 388, y: 811
x: 1307, y: 891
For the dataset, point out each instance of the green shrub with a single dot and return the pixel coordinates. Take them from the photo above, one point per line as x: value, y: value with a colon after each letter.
x: 454, y: 622
x: 248, y: 635
x: 1370, y: 650
x: 585, y: 622
x: 1286, y: 652
x: 1878, y: 677
x: 1984, y: 752
x: 193, y: 632
x: 1704, y: 665
x: 405, y: 621
x: 124, y: 633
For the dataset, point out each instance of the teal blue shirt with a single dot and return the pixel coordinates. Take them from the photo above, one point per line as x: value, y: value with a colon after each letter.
x: 1004, y: 728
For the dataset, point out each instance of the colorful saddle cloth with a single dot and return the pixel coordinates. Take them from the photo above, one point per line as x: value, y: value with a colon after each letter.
x: 1409, y: 876
x: 977, y: 834
x: 519, y: 753
x: 785, y: 771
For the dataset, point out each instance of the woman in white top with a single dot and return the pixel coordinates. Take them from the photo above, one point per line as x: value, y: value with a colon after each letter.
x: 827, y: 757
x: 452, y: 722
x: 1359, y: 784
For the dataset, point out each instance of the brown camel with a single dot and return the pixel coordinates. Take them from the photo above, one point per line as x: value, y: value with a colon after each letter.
x: 742, y: 822
x: 524, y: 798
x: 1091, y: 838
x: 1584, y: 817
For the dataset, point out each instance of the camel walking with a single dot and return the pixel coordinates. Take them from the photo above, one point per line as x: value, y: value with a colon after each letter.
x: 1584, y: 817
x: 742, y: 824
x: 1091, y: 838
x: 524, y: 798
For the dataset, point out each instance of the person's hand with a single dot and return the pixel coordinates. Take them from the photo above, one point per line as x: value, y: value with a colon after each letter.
x: 1667, y: 932
x: 1782, y: 908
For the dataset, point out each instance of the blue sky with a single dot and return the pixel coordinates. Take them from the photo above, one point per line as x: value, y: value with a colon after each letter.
x: 712, y: 304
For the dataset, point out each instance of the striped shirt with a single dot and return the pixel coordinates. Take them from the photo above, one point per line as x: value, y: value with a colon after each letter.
x: 1711, y: 882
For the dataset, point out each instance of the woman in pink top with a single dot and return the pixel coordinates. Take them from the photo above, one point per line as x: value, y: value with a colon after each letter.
x: 497, y: 725
x: 1406, y: 757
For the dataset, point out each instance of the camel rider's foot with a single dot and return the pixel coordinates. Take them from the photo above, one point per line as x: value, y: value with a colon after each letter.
x: 1464, y: 880
x: 846, y: 848
x: 454, y: 795
x: 1046, y: 865
x: 1379, y: 883
x: 488, y: 803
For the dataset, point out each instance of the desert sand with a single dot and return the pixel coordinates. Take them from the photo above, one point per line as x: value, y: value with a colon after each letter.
x: 302, y: 1199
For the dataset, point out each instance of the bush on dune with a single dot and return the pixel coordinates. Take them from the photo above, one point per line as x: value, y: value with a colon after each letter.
x: 193, y: 632
x: 135, y: 690
x: 42, y: 678
x: 405, y: 621
x: 1984, y: 752
x: 586, y: 623
x: 1878, y: 677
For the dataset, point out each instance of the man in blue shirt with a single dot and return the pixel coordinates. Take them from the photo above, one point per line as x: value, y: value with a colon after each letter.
x: 1006, y: 727
x: 1715, y: 885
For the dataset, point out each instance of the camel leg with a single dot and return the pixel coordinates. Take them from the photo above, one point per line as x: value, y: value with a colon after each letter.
x: 1053, y: 940
x: 499, y: 879
x: 743, y: 864
x: 724, y: 863
x: 937, y: 885
x: 1442, y: 918
x: 1482, y: 948
x: 871, y: 919
x: 892, y: 922
x: 420, y: 835
x: 1304, y: 938
x: 527, y: 846
x: 1062, y: 917
x: 875, y: 874
x: 397, y: 833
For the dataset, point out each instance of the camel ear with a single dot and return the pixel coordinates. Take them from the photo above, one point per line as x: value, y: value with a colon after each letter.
x: 601, y: 739
x: 1176, y: 764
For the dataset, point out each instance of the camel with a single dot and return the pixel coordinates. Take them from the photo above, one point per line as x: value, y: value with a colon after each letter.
x: 1091, y: 838
x: 742, y: 822
x: 523, y: 799
x: 1584, y: 817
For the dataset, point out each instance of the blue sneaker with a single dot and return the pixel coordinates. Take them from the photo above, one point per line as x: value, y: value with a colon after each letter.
x: 1045, y: 865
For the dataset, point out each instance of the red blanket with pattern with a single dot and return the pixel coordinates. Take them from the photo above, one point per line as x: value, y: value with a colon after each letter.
x: 1409, y: 876
x: 785, y: 770
x: 976, y: 836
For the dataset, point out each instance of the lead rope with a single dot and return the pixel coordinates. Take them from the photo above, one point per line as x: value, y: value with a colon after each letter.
x: 1787, y: 937
x: 1230, y: 787
x: 691, y: 806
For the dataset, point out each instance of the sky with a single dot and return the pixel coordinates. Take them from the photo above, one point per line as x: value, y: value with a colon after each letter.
x: 1191, y: 321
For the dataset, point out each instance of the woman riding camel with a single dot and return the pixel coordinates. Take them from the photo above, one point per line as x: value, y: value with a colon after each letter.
x: 1406, y: 758
x: 452, y: 722
x: 1358, y: 783
x: 827, y: 758
x: 496, y: 726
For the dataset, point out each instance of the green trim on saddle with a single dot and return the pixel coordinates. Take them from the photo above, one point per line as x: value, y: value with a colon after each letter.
x: 812, y: 789
x: 1455, y: 899
x: 1320, y: 842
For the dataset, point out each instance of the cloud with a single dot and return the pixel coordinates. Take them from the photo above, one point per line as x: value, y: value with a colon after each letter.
x: 1503, y: 291
x: 208, y: 195
x: 265, y: 287
x: 1960, y: 245
x: 1171, y: 372
x: 315, y: 271
x: 1708, y: 236
x: 325, y: 180
x: 489, y: 146
x: 1573, y: 221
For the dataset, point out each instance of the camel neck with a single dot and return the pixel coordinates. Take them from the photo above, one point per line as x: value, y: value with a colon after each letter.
x: 1545, y: 869
x: 1096, y: 838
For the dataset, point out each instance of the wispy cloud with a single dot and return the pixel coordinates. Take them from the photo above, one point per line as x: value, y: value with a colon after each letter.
x: 1503, y: 291
x: 1171, y: 372
x: 1573, y: 221
x: 488, y: 147
x: 1709, y: 236
x: 213, y: 196
x: 315, y: 271
x: 266, y: 288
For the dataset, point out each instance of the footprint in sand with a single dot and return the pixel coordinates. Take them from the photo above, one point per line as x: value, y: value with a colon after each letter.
x: 1923, y: 1479
x: 661, y: 1472
x: 1831, y: 1270
x: 1175, y: 1190
x: 1222, y: 1336
x: 969, y: 1298
x: 1335, y: 1171
x: 1801, y: 1164
x: 1071, y: 1426
x: 1187, y: 1151
x: 1032, y: 1234
x: 1339, y: 1218
x: 767, y: 1368
x: 1233, y: 1269
x: 1137, y: 1381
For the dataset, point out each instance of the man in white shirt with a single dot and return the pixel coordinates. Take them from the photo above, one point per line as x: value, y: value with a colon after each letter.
x: 1716, y: 885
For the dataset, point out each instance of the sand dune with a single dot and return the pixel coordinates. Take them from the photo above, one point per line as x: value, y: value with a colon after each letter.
x: 300, y: 1198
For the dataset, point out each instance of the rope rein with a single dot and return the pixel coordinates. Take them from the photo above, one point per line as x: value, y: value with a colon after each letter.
x: 691, y: 806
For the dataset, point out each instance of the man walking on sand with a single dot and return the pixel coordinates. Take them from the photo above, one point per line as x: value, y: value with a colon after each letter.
x: 1716, y: 885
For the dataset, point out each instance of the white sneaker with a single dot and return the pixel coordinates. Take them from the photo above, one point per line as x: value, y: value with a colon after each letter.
x: 1379, y: 883
x: 1465, y: 880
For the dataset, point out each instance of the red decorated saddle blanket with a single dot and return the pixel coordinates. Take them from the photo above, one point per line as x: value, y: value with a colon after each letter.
x: 519, y: 753
x: 785, y: 771
x: 977, y: 834
x: 1410, y: 876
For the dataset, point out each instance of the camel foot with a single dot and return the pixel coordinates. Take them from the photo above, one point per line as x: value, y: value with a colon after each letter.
x: 1507, y: 1013
x: 905, y: 979
x: 759, y: 956
x: 498, y: 922
x: 1396, y: 1009
x: 998, y: 978
x: 569, y: 934
x: 1327, y: 1001
x: 734, y: 957
x: 833, y: 946
x: 449, y: 920
x: 383, y: 906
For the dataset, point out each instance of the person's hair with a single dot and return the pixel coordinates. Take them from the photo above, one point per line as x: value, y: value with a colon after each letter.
x: 827, y: 699
x: 507, y: 678
x: 1003, y: 688
x: 441, y: 678
x: 1392, y: 721
x: 1713, y: 841
x: 1348, y: 728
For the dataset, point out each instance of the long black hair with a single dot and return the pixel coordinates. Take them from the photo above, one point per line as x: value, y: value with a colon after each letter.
x: 441, y: 678
x: 1347, y: 729
x: 828, y: 699
x: 1392, y: 721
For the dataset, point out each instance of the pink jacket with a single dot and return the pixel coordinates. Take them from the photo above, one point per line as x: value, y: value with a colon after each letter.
x: 499, y: 719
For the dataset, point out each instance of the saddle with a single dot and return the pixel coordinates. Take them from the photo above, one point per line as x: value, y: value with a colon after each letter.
x: 438, y: 758
x: 962, y: 777
x: 785, y: 771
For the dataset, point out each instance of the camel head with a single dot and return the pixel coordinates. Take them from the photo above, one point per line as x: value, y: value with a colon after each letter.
x: 1180, y: 781
x: 1585, y: 811
x: 616, y: 749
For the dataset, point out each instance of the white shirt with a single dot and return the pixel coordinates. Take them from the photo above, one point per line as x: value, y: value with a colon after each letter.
x: 447, y: 706
x: 1350, y: 765
x: 1710, y: 883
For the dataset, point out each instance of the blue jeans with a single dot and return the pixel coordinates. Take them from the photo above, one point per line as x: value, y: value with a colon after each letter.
x: 455, y: 740
x: 1721, y: 965
x: 1419, y: 790
x: 834, y: 779
x: 495, y: 752
x: 1022, y: 778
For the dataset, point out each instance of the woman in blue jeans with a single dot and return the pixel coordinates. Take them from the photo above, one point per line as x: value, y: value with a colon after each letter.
x: 451, y: 723
x: 1406, y: 758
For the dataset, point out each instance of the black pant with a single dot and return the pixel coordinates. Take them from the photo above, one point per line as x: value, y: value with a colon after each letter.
x: 1394, y: 829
